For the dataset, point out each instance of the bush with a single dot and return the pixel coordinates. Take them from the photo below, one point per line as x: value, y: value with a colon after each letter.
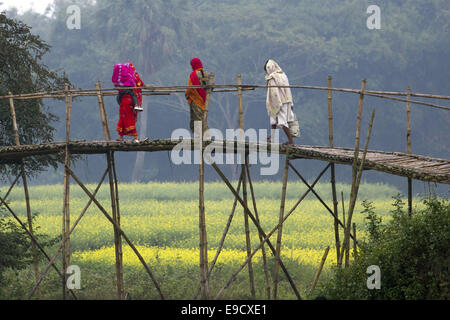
x: 14, y: 246
x: 412, y: 252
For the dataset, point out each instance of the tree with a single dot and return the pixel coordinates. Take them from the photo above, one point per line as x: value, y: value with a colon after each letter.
x: 22, y: 71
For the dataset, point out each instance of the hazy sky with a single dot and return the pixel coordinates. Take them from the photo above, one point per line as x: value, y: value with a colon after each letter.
x: 24, y: 5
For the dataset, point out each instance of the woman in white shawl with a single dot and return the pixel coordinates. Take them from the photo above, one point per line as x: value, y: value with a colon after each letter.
x: 279, y: 100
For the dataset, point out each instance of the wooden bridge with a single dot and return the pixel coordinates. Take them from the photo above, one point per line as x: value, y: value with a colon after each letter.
x: 401, y: 164
x: 397, y: 163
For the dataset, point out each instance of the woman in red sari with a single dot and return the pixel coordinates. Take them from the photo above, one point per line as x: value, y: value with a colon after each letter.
x: 127, y: 116
x: 196, y: 97
x: 128, y: 101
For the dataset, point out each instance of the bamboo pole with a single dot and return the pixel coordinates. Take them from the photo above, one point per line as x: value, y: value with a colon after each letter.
x: 330, y: 112
x: 247, y: 229
x: 117, y: 244
x: 224, y: 234
x: 408, y: 145
x: 319, y: 270
x: 202, y: 216
x: 344, y: 249
x: 114, y: 195
x: 202, y: 227
x: 354, y: 239
x: 280, y: 230
x: 103, y: 116
x: 156, y: 89
x: 151, y: 90
x: 11, y: 187
x: 244, y: 189
x: 14, y: 121
x: 355, y: 186
x: 27, y: 196
x: 119, y: 239
x: 332, y: 172
x: 241, y: 111
x: 66, y: 209
x: 44, y: 273
x: 355, y: 164
x: 263, y: 249
x: 110, y: 219
x: 208, y: 99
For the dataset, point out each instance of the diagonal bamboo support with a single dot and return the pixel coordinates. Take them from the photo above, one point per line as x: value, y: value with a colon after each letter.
x: 342, y: 224
x: 32, y: 237
x: 263, y: 250
x: 247, y: 229
x: 10, y: 188
x: 319, y: 270
x: 266, y: 238
x: 43, y: 275
x: 110, y: 219
x: 260, y: 230
x: 280, y: 229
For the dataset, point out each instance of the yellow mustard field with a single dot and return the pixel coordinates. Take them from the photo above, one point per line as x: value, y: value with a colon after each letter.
x: 161, y: 219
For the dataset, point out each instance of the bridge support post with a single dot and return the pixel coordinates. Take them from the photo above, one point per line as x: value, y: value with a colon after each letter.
x: 201, y: 189
x: 66, y: 209
x: 280, y: 222
x: 25, y: 188
x: 354, y: 191
x: 114, y: 194
x: 408, y: 145
x: 332, y: 172
x: 263, y: 250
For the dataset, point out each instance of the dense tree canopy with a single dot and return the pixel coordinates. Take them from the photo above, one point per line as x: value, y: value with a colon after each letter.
x: 22, y: 71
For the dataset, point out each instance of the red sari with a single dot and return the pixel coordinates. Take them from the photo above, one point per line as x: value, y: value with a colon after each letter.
x: 127, y: 117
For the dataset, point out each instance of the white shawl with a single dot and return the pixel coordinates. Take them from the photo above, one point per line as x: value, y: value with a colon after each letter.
x: 276, y: 97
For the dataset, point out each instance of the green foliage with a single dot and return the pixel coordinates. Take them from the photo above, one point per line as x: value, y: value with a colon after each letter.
x: 14, y: 246
x: 411, y: 251
x: 22, y: 71
x: 373, y: 223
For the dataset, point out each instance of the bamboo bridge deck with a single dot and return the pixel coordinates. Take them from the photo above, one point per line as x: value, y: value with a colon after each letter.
x: 396, y: 163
